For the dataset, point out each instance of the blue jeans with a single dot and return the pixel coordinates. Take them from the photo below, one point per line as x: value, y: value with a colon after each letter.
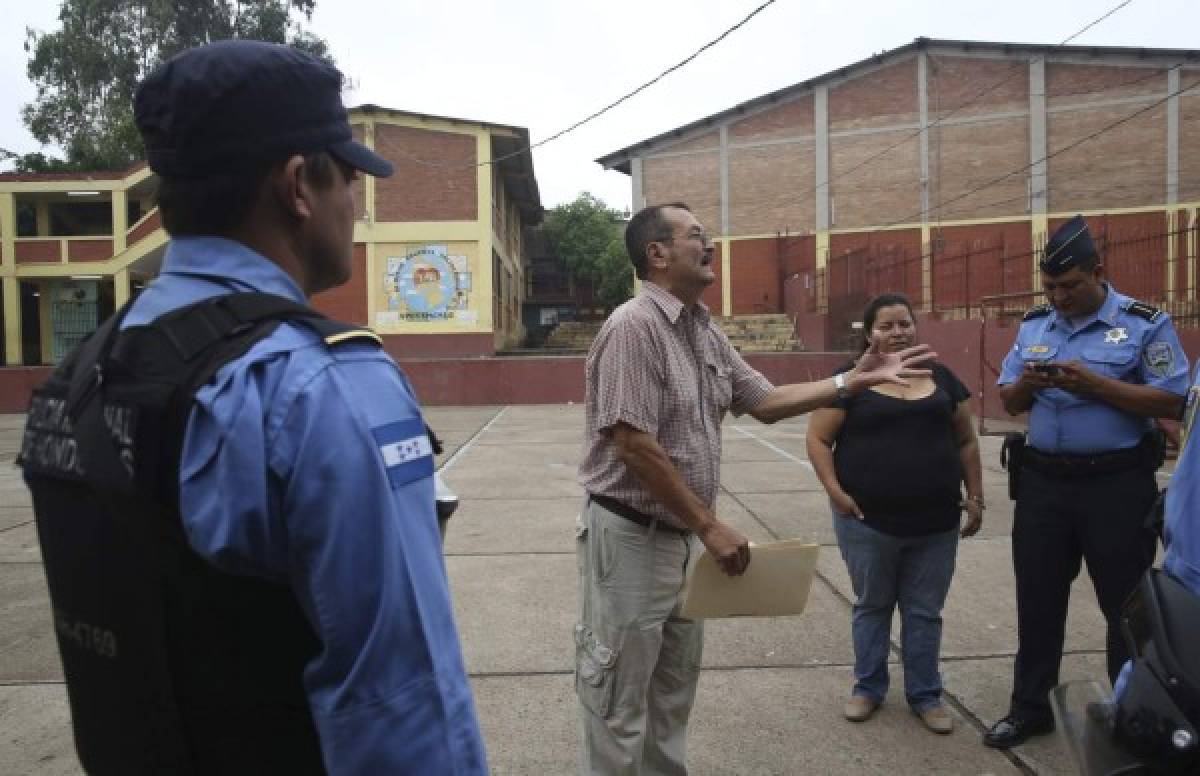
x: 914, y: 572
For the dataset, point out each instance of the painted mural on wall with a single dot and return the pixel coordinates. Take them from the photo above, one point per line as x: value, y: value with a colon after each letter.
x: 428, y: 282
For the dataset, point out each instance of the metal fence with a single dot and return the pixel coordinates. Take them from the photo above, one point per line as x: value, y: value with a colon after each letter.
x: 990, y: 278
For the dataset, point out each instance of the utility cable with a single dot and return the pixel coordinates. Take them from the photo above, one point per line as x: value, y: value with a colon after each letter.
x: 598, y: 113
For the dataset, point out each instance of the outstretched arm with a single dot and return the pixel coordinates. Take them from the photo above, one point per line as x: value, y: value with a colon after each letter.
x: 873, y: 368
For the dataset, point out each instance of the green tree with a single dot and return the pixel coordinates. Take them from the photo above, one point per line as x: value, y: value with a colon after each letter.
x: 86, y: 71
x: 587, y: 235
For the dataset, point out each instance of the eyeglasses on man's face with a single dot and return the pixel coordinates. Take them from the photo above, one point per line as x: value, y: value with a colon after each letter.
x: 701, y: 236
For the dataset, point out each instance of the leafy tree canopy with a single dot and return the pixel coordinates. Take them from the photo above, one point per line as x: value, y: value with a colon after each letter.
x: 589, y: 238
x: 86, y: 71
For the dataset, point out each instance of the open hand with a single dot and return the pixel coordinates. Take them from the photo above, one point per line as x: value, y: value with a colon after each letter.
x: 874, y: 367
x: 728, y: 547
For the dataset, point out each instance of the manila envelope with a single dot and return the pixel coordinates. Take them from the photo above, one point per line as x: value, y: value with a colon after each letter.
x: 775, y: 584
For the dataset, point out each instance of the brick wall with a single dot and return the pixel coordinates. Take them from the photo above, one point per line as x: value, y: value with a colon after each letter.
x: 886, y: 189
x: 1189, y: 137
x: 421, y: 192
x: 36, y: 251
x: 1070, y: 84
x: 875, y: 164
x: 955, y: 84
x: 348, y: 302
x: 771, y: 188
x: 881, y: 191
x: 1102, y: 173
x: 793, y: 118
x: 1124, y: 179
x: 879, y: 98
x: 707, y: 141
x: 964, y: 157
x: 89, y: 250
x: 692, y: 178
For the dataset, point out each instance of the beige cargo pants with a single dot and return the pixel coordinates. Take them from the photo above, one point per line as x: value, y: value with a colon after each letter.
x: 636, y: 659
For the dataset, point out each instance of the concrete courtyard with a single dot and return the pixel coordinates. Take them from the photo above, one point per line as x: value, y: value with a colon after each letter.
x: 772, y: 690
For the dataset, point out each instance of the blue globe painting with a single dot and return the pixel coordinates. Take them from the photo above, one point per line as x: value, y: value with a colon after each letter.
x: 426, y: 281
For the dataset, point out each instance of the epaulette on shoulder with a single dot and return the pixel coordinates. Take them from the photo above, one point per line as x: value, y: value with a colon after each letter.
x: 1037, y: 311
x: 362, y: 335
x: 338, y: 333
x: 1143, y: 310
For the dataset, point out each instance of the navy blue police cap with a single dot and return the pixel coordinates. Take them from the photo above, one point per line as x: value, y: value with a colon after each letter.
x: 236, y: 104
x: 1070, y: 244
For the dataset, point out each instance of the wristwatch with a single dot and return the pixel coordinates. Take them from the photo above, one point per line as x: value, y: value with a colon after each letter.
x: 839, y: 382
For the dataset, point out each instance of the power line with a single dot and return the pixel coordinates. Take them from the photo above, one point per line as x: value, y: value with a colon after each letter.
x: 598, y: 113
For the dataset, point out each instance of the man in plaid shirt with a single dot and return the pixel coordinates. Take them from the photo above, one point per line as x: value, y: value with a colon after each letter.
x: 660, y: 377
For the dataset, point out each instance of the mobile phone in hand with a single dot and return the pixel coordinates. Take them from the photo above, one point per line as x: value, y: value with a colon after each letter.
x: 1049, y: 370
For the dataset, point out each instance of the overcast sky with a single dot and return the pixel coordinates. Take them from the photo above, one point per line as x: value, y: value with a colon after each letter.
x: 544, y: 64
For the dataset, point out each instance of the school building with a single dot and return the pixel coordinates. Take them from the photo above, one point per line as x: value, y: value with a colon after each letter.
x: 938, y: 168
x: 439, y: 254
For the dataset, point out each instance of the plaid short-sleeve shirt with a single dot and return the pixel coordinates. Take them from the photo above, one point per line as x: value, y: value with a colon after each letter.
x: 668, y: 371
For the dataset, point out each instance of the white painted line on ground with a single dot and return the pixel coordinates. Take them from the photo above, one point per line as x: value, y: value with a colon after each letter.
x: 773, y: 447
x: 467, y: 445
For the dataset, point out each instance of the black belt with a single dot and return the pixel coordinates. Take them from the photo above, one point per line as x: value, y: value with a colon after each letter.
x: 631, y: 514
x: 1084, y: 465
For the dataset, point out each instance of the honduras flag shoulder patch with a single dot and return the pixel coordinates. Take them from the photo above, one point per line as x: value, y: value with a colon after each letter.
x: 406, y: 450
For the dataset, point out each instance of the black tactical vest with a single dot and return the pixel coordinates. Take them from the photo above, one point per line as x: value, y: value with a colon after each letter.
x: 172, y: 666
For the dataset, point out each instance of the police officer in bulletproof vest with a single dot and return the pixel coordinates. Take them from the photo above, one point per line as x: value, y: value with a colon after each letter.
x: 234, y: 495
x: 1092, y: 368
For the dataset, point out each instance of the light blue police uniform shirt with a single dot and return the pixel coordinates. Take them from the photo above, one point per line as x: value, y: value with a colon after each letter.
x: 1113, y: 342
x: 308, y: 466
x: 1181, y: 534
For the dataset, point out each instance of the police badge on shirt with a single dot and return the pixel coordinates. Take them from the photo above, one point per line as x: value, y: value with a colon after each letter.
x: 1159, y: 358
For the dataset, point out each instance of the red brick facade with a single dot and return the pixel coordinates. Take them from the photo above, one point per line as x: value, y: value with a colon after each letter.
x: 89, y: 250
x: 445, y: 190
x: 35, y: 251
x: 1189, y: 137
x: 691, y: 178
x: 1011, y: 134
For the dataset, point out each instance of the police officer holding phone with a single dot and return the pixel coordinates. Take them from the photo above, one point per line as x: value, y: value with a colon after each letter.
x: 1092, y: 368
